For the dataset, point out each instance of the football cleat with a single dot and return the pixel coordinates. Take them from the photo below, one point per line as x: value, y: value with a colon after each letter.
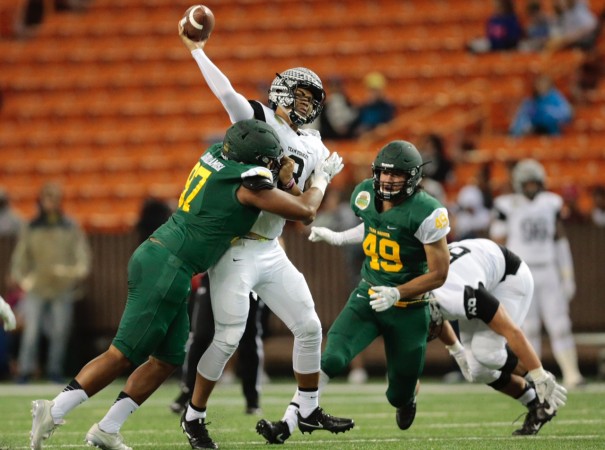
x: 319, y: 420
x: 43, y: 423
x: 538, y: 414
x: 405, y: 416
x: 273, y: 432
x: 197, y: 433
x: 103, y: 440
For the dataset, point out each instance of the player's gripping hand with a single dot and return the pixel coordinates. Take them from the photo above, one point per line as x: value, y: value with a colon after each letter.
x: 383, y: 297
x: 332, y: 166
x: 7, y: 316
x: 547, y: 389
x: 191, y: 45
x: 319, y: 234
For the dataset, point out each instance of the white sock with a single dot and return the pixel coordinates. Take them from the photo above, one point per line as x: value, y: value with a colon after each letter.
x: 194, y: 414
x: 290, y: 416
x: 65, y: 402
x: 527, y: 397
x: 117, y: 415
x: 308, y: 401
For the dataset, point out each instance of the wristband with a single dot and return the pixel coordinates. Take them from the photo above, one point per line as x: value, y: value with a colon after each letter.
x: 290, y: 184
x: 455, y: 348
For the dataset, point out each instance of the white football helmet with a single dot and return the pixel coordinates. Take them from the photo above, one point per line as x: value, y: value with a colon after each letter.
x: 525, y: 171
x: 282, y: 91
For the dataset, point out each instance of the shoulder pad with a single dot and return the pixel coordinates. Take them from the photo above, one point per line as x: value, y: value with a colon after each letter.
x: 311, y: 132
x: 258, y: 172
x: 257, y: 178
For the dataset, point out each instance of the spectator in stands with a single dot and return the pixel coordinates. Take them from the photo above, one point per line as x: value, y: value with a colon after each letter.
x: 50, y: 260
x: 378, y: 109
x: 503, y: 30
x: 438, y: 165
x: 339, y: 114
x: 598, y: 206
x: 10, y: 221
x: 575, y: 26
x: 546, y: 111
x: 588, y: 76
x: 571, y: 212
x: 537, y: 28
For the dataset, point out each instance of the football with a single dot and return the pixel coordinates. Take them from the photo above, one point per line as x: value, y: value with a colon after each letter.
x: 198, y: 22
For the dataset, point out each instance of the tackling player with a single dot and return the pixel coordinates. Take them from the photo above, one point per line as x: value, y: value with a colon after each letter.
x: 403, y: 235
x: 258, y: 263
x: 489, y: 291
x: 223, y: 196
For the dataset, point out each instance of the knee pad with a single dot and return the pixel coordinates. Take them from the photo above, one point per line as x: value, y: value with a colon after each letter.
x: 501, y: 382
x: 484, y: 375
x: 307, y: 346
x: 223, y: 346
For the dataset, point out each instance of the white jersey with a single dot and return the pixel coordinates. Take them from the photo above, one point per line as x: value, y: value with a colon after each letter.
x: 472, y: 262
x: 528, y: 225
x: 306, y: 149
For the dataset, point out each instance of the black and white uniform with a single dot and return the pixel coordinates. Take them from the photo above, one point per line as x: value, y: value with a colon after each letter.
x: 482, y: 276
x: 261, y: 265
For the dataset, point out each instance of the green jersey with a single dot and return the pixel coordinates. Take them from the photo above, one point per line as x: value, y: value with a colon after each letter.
x: 394, y: 240
x: 209, y: 215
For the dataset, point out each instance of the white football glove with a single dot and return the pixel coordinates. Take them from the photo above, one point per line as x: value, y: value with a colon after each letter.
x: 547, y: 389
x: 7, y: 316
x: 319, y: 234
x: 460, y: 356
x: 383, y: 297
x: 332, y: 166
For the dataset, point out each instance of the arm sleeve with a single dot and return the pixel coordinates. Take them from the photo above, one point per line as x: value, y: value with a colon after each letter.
x: 564, y: 258
x: 434, y: 227
x: 234, y: 103
x: 352, y: 235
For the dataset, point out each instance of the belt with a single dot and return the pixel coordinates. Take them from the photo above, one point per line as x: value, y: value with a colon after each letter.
x: 255, y: 237
x: 404, y: 303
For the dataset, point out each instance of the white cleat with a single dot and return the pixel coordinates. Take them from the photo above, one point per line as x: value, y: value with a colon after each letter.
x: 43, y: 424
x: 105, y: 441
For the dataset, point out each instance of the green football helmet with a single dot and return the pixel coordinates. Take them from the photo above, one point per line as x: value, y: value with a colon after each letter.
x: 253, y: 142
x: 399, y: 157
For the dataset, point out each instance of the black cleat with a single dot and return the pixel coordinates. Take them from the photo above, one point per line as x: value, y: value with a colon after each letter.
x: 405, y: 416
x: 319, y: 420
x: 180, y: 403
x: 273, y: 432
x: 538, y: 414
x: 197, y: 433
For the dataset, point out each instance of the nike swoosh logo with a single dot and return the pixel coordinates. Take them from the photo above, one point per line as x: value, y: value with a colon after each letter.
x: 391, y: 228
x: 236, y: 260
x: 360, y: 296
x: 311, y: 425
x: 550, y: 410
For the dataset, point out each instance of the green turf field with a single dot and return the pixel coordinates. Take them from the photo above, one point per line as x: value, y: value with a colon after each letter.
x: 460, y: 416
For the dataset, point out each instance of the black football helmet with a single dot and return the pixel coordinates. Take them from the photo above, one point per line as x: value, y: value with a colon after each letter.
x: 402, y: 157
x: 283, y: 88
x: 253, y: 142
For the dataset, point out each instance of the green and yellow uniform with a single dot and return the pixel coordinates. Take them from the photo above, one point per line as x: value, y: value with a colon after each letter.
x: 208, y: 219
x: 394, y: 247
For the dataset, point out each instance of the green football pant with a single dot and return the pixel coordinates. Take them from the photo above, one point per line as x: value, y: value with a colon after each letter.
x: 404, y: 331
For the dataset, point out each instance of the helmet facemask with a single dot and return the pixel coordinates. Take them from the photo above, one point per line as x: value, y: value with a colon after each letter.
x: 283, y: 93
x: 400, y: 158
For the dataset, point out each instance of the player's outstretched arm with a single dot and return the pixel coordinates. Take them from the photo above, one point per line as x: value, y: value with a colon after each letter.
x: 236, y: 105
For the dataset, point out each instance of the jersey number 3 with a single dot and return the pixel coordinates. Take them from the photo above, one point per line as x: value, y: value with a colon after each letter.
x: 195, y: 182
x: 383, y: 253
